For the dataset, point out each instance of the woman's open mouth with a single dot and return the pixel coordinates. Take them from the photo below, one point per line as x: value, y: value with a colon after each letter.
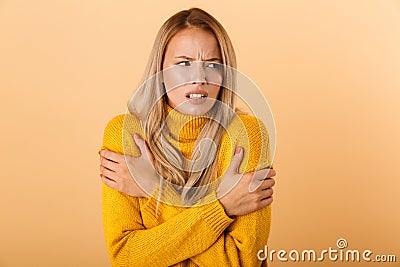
x: 197, y: 97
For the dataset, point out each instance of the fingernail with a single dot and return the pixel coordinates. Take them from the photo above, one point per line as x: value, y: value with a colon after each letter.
x: 136, y: 136
x: 238, y: 149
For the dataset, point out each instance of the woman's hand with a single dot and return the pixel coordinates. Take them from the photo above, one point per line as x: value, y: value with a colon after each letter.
x: 239, y: 193
x: 115, y: 173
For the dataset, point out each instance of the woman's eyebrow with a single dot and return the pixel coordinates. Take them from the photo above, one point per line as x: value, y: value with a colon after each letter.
x: 192, y: 59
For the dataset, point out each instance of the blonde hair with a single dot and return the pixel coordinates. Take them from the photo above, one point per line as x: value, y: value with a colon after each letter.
x: 168, y: 159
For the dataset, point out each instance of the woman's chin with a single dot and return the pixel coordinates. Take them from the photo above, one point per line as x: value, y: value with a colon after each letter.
x: 196, y: 108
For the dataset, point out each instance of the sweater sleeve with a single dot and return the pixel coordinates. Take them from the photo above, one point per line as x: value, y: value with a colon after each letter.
x: 129, y: 243
x: 239, y: 243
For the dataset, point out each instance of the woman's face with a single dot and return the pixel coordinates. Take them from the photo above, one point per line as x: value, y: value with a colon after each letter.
x: 192, y: 73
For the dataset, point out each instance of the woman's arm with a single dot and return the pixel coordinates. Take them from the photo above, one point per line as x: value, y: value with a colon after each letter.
x: 239, y: 244
x: 183, y: 235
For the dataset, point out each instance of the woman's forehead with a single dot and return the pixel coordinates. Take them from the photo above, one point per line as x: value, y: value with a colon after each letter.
x: 192, y: 43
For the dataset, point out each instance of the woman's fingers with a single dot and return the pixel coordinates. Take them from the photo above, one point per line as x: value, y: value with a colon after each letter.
x: 267, y: 183
x: 232, y: 175
x: 271, y: 173
x: 258, y: 179
x: 264, y: 197
x: 235, y: 161
x: 107, y: 181
x: 264, y: 174
x: 267, y: 192
x: 266, y: 201
x: 261, y: 179
x: 108, y: 173
x: 111, y: 155
x: 111, y: 165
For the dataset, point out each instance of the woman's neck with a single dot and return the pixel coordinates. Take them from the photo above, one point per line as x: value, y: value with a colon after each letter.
x: 186, y: 127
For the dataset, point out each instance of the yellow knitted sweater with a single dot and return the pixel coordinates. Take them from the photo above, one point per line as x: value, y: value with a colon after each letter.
x: 185, y: 236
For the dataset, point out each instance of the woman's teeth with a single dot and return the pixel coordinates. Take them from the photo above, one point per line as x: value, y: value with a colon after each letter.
x: 196, y: 96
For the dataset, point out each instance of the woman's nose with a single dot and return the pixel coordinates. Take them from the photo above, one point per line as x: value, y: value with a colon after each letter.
x: 198, y: 73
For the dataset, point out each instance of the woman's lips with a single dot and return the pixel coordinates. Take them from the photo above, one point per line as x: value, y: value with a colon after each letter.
x: 197, y: 97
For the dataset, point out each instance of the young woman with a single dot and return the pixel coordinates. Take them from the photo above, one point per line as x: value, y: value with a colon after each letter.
x: 148, y: 224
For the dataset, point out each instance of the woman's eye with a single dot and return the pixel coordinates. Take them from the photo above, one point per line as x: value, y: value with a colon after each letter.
x: 183, y: 63
x: 211, y: 65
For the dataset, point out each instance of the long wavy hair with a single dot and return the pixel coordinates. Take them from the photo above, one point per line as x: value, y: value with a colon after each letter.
x: 149, y: 105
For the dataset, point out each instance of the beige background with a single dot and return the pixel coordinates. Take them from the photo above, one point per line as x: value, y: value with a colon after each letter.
x: 330, y: 72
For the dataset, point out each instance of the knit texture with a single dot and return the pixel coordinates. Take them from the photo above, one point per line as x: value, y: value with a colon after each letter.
x: 185, y: 236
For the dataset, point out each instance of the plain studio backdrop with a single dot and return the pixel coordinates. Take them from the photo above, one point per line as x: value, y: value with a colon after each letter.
x: 329, y: 70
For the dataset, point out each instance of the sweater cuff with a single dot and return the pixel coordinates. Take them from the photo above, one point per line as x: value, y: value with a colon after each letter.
x: 216, y: 217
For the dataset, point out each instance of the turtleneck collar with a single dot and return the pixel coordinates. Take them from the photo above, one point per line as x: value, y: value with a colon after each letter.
x: 187, y: 127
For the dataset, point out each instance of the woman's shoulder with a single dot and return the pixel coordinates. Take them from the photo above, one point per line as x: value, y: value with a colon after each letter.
x: 118, y: 133
x: 121, y: 121
x: 248, y: 125
x: 250, y: 133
